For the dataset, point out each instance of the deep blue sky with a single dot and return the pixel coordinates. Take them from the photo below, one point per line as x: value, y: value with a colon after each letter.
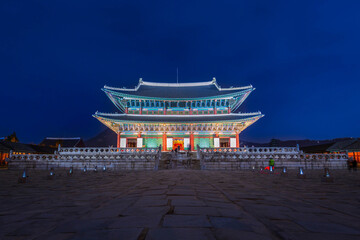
x: 303, y: 57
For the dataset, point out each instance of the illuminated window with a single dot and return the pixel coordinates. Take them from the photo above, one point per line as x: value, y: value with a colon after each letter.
x: 131, y: 142
x: 225, y: 142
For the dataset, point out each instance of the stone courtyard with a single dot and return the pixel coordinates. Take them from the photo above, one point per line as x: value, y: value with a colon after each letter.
x: 179, y: 204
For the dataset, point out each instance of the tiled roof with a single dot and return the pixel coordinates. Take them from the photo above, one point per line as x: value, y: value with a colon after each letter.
x: 18, y: 147
x: 355, y: 146
x: 64, y: 142
x: 341, y: 146
x: 43, y: 149
x: 3, y: 147
x: 320, y: 148
x: 182, y: 91
x: 177, y: 118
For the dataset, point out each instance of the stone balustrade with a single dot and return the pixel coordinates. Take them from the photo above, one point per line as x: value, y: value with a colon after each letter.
x: 112, y: 158
x: 103, y: 150
x: 251, y: 150
x: 248, y: 157
x: 148, y: 158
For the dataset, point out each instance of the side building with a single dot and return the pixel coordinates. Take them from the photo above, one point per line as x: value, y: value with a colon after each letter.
x: 178, y: 115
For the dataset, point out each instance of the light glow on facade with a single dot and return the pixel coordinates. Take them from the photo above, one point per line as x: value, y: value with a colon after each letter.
x: 178, y: 116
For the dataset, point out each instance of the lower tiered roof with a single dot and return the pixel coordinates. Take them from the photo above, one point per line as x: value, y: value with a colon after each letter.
x: 233, y: 117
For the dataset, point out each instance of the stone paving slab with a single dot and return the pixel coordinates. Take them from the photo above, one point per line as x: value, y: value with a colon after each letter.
x: 233, y: 223
x: 179, y: 221
x: 179, y: 204
x: 180, y: 234
x: 136, y: 221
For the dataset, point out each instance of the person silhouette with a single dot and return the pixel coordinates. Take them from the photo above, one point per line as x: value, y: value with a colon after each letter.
x: 354, y: 165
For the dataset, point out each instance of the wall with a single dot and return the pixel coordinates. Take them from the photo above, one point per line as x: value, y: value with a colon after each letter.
x: 152, y: 142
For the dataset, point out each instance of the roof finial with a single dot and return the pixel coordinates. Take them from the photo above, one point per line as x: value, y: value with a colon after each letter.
x: 140, y: 80
x: 214, y: 79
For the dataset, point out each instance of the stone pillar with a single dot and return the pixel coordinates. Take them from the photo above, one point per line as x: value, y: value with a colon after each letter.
x: 164, y: 141
x: 118, y: 140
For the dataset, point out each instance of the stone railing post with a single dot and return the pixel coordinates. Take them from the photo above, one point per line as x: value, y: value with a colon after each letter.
x: 200, y: 157
x: 157, y: 159
x: 198, y: 152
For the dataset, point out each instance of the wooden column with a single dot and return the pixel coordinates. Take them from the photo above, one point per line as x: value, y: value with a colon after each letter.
x: 164, y: 141
x: 164, y: 108
x: 215, y: 106
x: 118, y: 140
x: 140, y: 111
x: 237, y: 140
x: 190, y: 111
x: 192, y: 141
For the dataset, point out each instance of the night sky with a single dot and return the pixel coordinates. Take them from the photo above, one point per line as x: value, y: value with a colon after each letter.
x: 302, y: 57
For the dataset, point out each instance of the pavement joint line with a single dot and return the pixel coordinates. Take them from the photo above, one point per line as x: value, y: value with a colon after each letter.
x: 227, y: 196
x: 318, y: 205
x: 259, y: 201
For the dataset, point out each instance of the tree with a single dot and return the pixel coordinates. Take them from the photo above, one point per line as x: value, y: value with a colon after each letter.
x: 274, y: 143
x: 12, y: 138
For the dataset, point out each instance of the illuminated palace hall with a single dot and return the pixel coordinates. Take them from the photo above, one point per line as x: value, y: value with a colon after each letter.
x: 178, y: 115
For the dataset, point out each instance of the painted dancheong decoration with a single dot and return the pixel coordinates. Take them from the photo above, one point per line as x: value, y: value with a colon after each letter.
x: 178, y: 115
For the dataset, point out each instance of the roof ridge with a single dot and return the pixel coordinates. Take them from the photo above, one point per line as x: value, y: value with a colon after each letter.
x: 55, y: 138
x: 191, y: 84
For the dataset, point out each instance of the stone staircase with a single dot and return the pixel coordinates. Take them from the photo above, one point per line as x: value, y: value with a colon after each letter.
x: 180, y: 160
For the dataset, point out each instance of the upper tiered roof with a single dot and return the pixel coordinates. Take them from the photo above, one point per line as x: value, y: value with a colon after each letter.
x: 178, y: 90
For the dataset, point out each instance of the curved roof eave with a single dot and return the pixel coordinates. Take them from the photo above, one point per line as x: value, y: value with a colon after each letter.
x: 252, y: 116
x: 220, y: 92
x: 221, y: 96
x: 157, y: 84
x: 193, y: 84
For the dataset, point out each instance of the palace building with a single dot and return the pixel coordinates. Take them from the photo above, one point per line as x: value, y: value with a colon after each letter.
x: 178, y: 115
